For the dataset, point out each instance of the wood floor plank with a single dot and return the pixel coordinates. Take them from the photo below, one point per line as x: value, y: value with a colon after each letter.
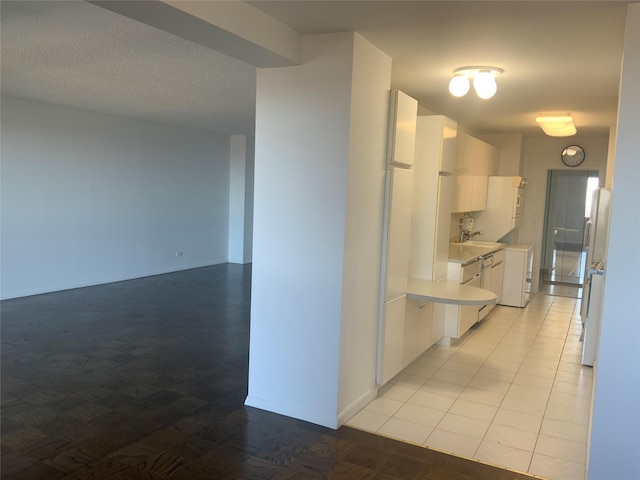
x: 146, y: 379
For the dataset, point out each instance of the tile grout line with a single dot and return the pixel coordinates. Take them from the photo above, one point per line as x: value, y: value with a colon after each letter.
x: 545, y: 311
x: 474, y: 376
x: 547, y: 403
x: 554, y: 380
x: 511, y: 383
x: 513, y: 322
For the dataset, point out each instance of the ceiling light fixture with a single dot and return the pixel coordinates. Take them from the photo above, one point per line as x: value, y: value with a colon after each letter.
x: 557, y: 125
x: 484, y: 81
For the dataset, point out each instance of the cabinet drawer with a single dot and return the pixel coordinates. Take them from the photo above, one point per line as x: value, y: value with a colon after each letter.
x: 469, y: 271
x: 498, y: 256
x: 468, y: 318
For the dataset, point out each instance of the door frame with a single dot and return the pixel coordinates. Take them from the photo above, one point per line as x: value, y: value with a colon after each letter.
x: 547, y: 207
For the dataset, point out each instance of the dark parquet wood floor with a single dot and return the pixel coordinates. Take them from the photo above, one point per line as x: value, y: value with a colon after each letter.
x: 146, y: 379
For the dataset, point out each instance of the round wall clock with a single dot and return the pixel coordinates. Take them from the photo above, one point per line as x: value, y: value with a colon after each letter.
x: 572, y: 156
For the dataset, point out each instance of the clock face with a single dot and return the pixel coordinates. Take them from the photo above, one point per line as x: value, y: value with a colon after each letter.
x: 572, y: 156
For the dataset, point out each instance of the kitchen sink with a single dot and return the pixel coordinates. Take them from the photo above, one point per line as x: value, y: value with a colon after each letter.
x: 479, y: 243
x: 471, y: 250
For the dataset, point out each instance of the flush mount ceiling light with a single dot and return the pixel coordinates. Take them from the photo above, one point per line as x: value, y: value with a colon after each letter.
x: 483, y: 78
x: 557, y: 125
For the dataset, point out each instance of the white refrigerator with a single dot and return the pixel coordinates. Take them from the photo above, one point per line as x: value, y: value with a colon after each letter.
x: 597, y: 228
x: 395, y: 270
x: 596, y: 244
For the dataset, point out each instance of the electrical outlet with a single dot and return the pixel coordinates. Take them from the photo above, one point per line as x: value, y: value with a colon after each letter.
x: 179, y: 253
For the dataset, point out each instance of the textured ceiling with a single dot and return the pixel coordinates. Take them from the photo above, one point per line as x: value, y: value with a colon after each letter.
x: 80, y: 55
x: 557, y: 57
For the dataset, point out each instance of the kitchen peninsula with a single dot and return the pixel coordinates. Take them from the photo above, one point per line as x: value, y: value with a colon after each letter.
x: 448, y: 293
x: 421, y: 321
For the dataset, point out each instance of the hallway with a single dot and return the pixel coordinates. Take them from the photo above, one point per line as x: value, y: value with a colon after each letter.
x: 512, y: 393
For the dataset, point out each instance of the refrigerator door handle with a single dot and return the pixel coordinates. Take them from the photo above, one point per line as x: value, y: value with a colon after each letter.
x: 587, y: 233
x: 596, y: 269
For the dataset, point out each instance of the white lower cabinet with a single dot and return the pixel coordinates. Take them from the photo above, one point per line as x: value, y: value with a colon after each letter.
x: 393, y: 339
x: 418, y: 335
x: 437, y: 325
x: 460, y: 318
x: 516, y: 284
x: 497, y: 276
x: 492, y: 275
x: 410, y: 328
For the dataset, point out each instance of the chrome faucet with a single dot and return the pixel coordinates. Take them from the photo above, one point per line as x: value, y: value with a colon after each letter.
x: 465, y: 235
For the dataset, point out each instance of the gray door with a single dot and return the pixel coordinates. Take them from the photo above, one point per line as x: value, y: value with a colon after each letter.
x: 563, y: 249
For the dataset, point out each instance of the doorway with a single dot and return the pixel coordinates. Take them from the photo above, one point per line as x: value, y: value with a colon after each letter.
x: 567, y: 209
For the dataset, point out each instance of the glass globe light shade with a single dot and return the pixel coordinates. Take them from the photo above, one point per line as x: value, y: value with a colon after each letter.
x: 459, y: 85
x: 485, y: 84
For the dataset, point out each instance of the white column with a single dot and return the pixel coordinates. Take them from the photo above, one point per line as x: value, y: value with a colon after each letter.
x: 319, y: 154
x: 240, y: 198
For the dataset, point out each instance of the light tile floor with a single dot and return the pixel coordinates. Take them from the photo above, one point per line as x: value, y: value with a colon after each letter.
x: 512, y: 392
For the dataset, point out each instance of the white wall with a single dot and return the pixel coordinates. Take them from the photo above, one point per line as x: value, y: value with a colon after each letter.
x: 611, y: 155
x: 615, y: 438
x: 542, y: 154
x: 241, y: 159
x: 248, y: 198
x: 304, y: 189
x: 89, y: 198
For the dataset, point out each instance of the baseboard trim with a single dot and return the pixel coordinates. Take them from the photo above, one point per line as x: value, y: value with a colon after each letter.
x: 357, y: 405
x: 105, y: 281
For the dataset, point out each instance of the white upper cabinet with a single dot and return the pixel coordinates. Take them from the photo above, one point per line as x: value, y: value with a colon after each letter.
x: 475, y: 160
x: 504, y: 207
x: 475, y: 157
x: 471, y: 193
x: 403, y: 112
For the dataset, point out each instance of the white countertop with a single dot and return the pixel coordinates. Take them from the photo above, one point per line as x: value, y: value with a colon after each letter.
x: 446, y: 292
x: 464, y: 253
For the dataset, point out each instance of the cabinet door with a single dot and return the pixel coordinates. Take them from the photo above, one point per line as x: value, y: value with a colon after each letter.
x: 463, y: 192
x: 459, y: 319
x: 417, y: 329
x: 475, y: 157
x: 496, y: 281
x: 397, y: 241
x: 443, y: 222
x: 487, y: 276
x: 514, y: 278
x: 471, y: 193
x: 479, y: 193
x: 392, y: 354
x: 437, y: 322
x: 467, y: 318
x: 449, y: 145
x: 403, y: 111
